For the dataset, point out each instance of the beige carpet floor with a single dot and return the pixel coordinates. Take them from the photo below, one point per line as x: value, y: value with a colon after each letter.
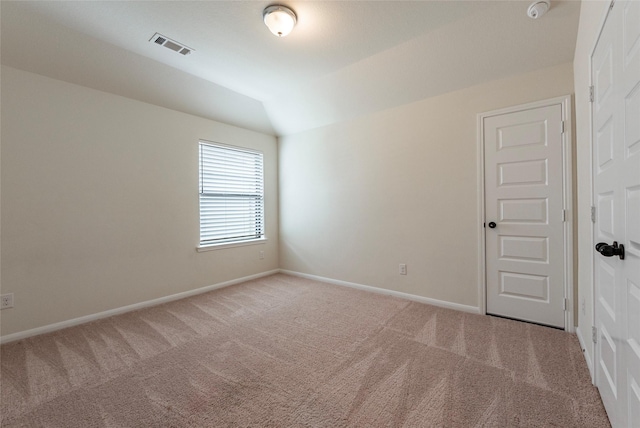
x: 283, y: 351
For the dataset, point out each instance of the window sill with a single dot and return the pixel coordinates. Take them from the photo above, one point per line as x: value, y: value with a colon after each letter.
x: 212, y: 247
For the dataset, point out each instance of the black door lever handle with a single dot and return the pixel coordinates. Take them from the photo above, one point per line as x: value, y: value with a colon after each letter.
x: 610, y: 250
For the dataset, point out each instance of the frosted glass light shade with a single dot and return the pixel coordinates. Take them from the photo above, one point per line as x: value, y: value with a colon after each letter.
x: 279, y: 19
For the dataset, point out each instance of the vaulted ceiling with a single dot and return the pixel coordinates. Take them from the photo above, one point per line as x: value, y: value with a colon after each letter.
x: 344, y: 59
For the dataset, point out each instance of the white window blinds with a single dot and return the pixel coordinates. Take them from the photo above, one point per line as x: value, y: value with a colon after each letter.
x: 231, y: 194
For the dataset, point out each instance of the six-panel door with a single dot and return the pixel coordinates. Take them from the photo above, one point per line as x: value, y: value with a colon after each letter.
x: 524, y: 197
x: 616, y: 171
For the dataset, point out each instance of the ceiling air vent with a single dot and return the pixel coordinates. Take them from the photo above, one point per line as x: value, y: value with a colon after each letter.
x: 161, y: 40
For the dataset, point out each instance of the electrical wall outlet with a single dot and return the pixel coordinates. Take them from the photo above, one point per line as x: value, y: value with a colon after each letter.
x: 261, y: 255
x: 403, y: 269
x: 6, y: 301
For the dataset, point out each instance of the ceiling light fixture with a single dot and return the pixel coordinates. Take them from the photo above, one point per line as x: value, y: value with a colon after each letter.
x: 279, y: 19
x: 538, y: 8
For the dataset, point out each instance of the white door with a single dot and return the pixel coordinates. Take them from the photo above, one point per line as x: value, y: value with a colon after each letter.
x: 524, y: 214
x: 616, y: 171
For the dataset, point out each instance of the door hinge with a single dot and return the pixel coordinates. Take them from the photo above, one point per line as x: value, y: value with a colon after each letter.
x: 562, y: 127
x: 564, y: 215
x: 594, y: 334
x: 593, y: 214
x: 591, y: 94
x: 565, y: 304
x: 612, y: 3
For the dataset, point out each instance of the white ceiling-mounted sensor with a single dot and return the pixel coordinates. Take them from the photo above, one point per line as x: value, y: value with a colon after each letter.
x: 538, y: 8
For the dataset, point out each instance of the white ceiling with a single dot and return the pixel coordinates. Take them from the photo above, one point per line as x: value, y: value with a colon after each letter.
x: 343, y: 59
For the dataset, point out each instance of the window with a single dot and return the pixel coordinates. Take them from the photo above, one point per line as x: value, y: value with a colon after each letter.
x: 231, y: 194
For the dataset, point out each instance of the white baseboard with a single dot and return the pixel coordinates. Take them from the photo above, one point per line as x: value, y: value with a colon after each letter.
x: 111, y: 312
x: 586, y: 353
x: 407, y: 296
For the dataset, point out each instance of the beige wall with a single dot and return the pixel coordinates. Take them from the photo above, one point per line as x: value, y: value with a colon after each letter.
x: 99, y: 197
x: 399, y: 186
x: 100, y: 202
x: 592, y: 15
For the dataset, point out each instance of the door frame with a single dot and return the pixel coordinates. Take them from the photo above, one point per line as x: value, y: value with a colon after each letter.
x: 567, y: 197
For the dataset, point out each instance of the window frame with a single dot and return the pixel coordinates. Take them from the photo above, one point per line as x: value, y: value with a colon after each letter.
x: 230, y: 242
